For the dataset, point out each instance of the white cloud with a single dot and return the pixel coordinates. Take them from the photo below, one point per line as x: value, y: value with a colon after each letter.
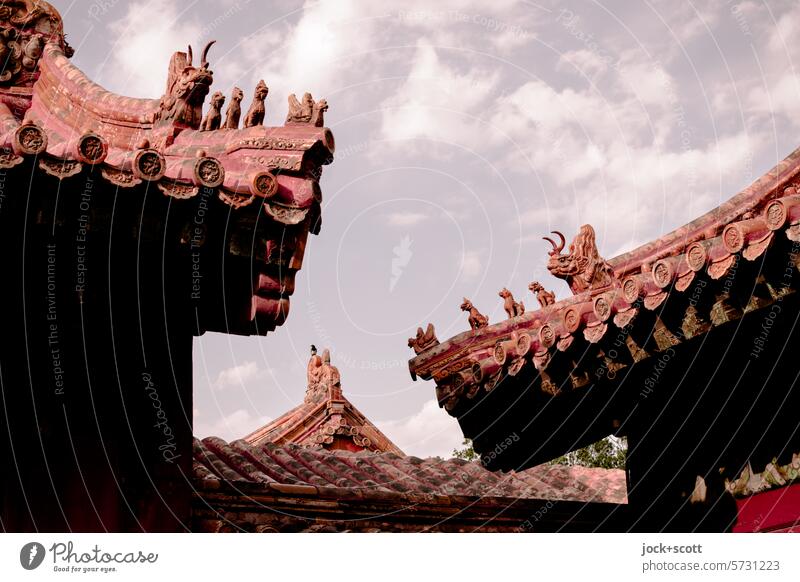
x: 238, y: 375
x: 436, y: 101
x: 139, y: 60
x: 406, y: 218
x: 231, y: 426
x: 430, y: 432
x: 471, y: 264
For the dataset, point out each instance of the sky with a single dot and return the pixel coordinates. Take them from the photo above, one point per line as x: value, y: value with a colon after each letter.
x: 465, y: 130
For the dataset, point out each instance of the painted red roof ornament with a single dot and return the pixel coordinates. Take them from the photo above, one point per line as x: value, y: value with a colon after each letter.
x: 543, y: 296
x: 257, y: 111
x: 423, y: 340
x: 306, y: 112
x: 27, y: 25
x: 325, y: 419
x: 583, y: 268
x: 213, y: 119
x: 476, y: 319
x: 187, y: 87
x: 234, y: 111
x: 512, y: 308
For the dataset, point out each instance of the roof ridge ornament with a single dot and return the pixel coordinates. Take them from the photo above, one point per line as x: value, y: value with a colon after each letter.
x: 324, y: 380
x: 307, y: 112
x: 187, y: 88
x: 582, y: 268
x: 423, y: 340
x: 26, y: 26
x: 476, y: 319
x: 257, y: 112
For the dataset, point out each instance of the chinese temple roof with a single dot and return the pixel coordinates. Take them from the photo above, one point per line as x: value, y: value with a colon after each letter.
x: 624, y: 311
x: 182, y: 145
x: 268, y: 487
x: 57, y: 113
x: 326, y: 418
x: 317, y: 471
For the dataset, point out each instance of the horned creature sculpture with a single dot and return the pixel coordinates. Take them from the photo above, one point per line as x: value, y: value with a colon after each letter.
x: 513, y: 308
x: 213, y: 118
x: 187, y: 88
x: 546, y: 298
x: 256, y: 113
x: 234, y: 112
x: 583, y: 268
x: 476, y: 319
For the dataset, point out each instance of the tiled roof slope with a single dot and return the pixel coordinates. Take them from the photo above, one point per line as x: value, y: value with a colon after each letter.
x: 295, y: 469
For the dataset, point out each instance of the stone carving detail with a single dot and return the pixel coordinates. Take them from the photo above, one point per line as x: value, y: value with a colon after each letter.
x: 92, y: 149
x: 60, y: 168
x: 8, y: 159
x: 314, y: 372
x: 476, y: 319
x: 257, y: 112
x: 235, y: 200
x: 150, y: 164
x: 213, y: 119
x: 176, y: 190
x: 513, y: 308
x: 120, y: 178
x: 209, y: 172
x: 424, y: 339
x: 31, y: 139
x: 18, y: 53
x: 602, y: 308
x: 306, y: 112
x: 322, y: 377
x: 25, y: 27
x: 265, y: 184
x: 543, y: 296
x: 234, y: 111
x: 271, y: 143
x: 583, y: 268
x: 187, y: 87
x: 547, y: 337
x: 662, y: 274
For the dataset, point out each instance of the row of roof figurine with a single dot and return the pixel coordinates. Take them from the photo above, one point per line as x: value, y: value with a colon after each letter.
x: 427, y: 339
x: 305, y: 111
x: 582, y: 268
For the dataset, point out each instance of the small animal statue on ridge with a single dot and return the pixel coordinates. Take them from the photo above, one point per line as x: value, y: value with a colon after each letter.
x: 583, y: 268
x: 476, y: 319
x: 546, y: 298
x: 424, y: 340
x: 306, y: 112
x: 234, y: 112
x: 213, y: 118
x: 256, y: 113
x: 513, y: 308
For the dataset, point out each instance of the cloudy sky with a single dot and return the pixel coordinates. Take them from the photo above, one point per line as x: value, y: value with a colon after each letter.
x: 465, y: 130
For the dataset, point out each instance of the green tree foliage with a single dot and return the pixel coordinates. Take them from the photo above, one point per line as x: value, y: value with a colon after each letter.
x: 608, y: 453
x: 467, y: 453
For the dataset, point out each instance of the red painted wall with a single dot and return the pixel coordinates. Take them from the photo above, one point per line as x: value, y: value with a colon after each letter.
x: 777, y: 510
